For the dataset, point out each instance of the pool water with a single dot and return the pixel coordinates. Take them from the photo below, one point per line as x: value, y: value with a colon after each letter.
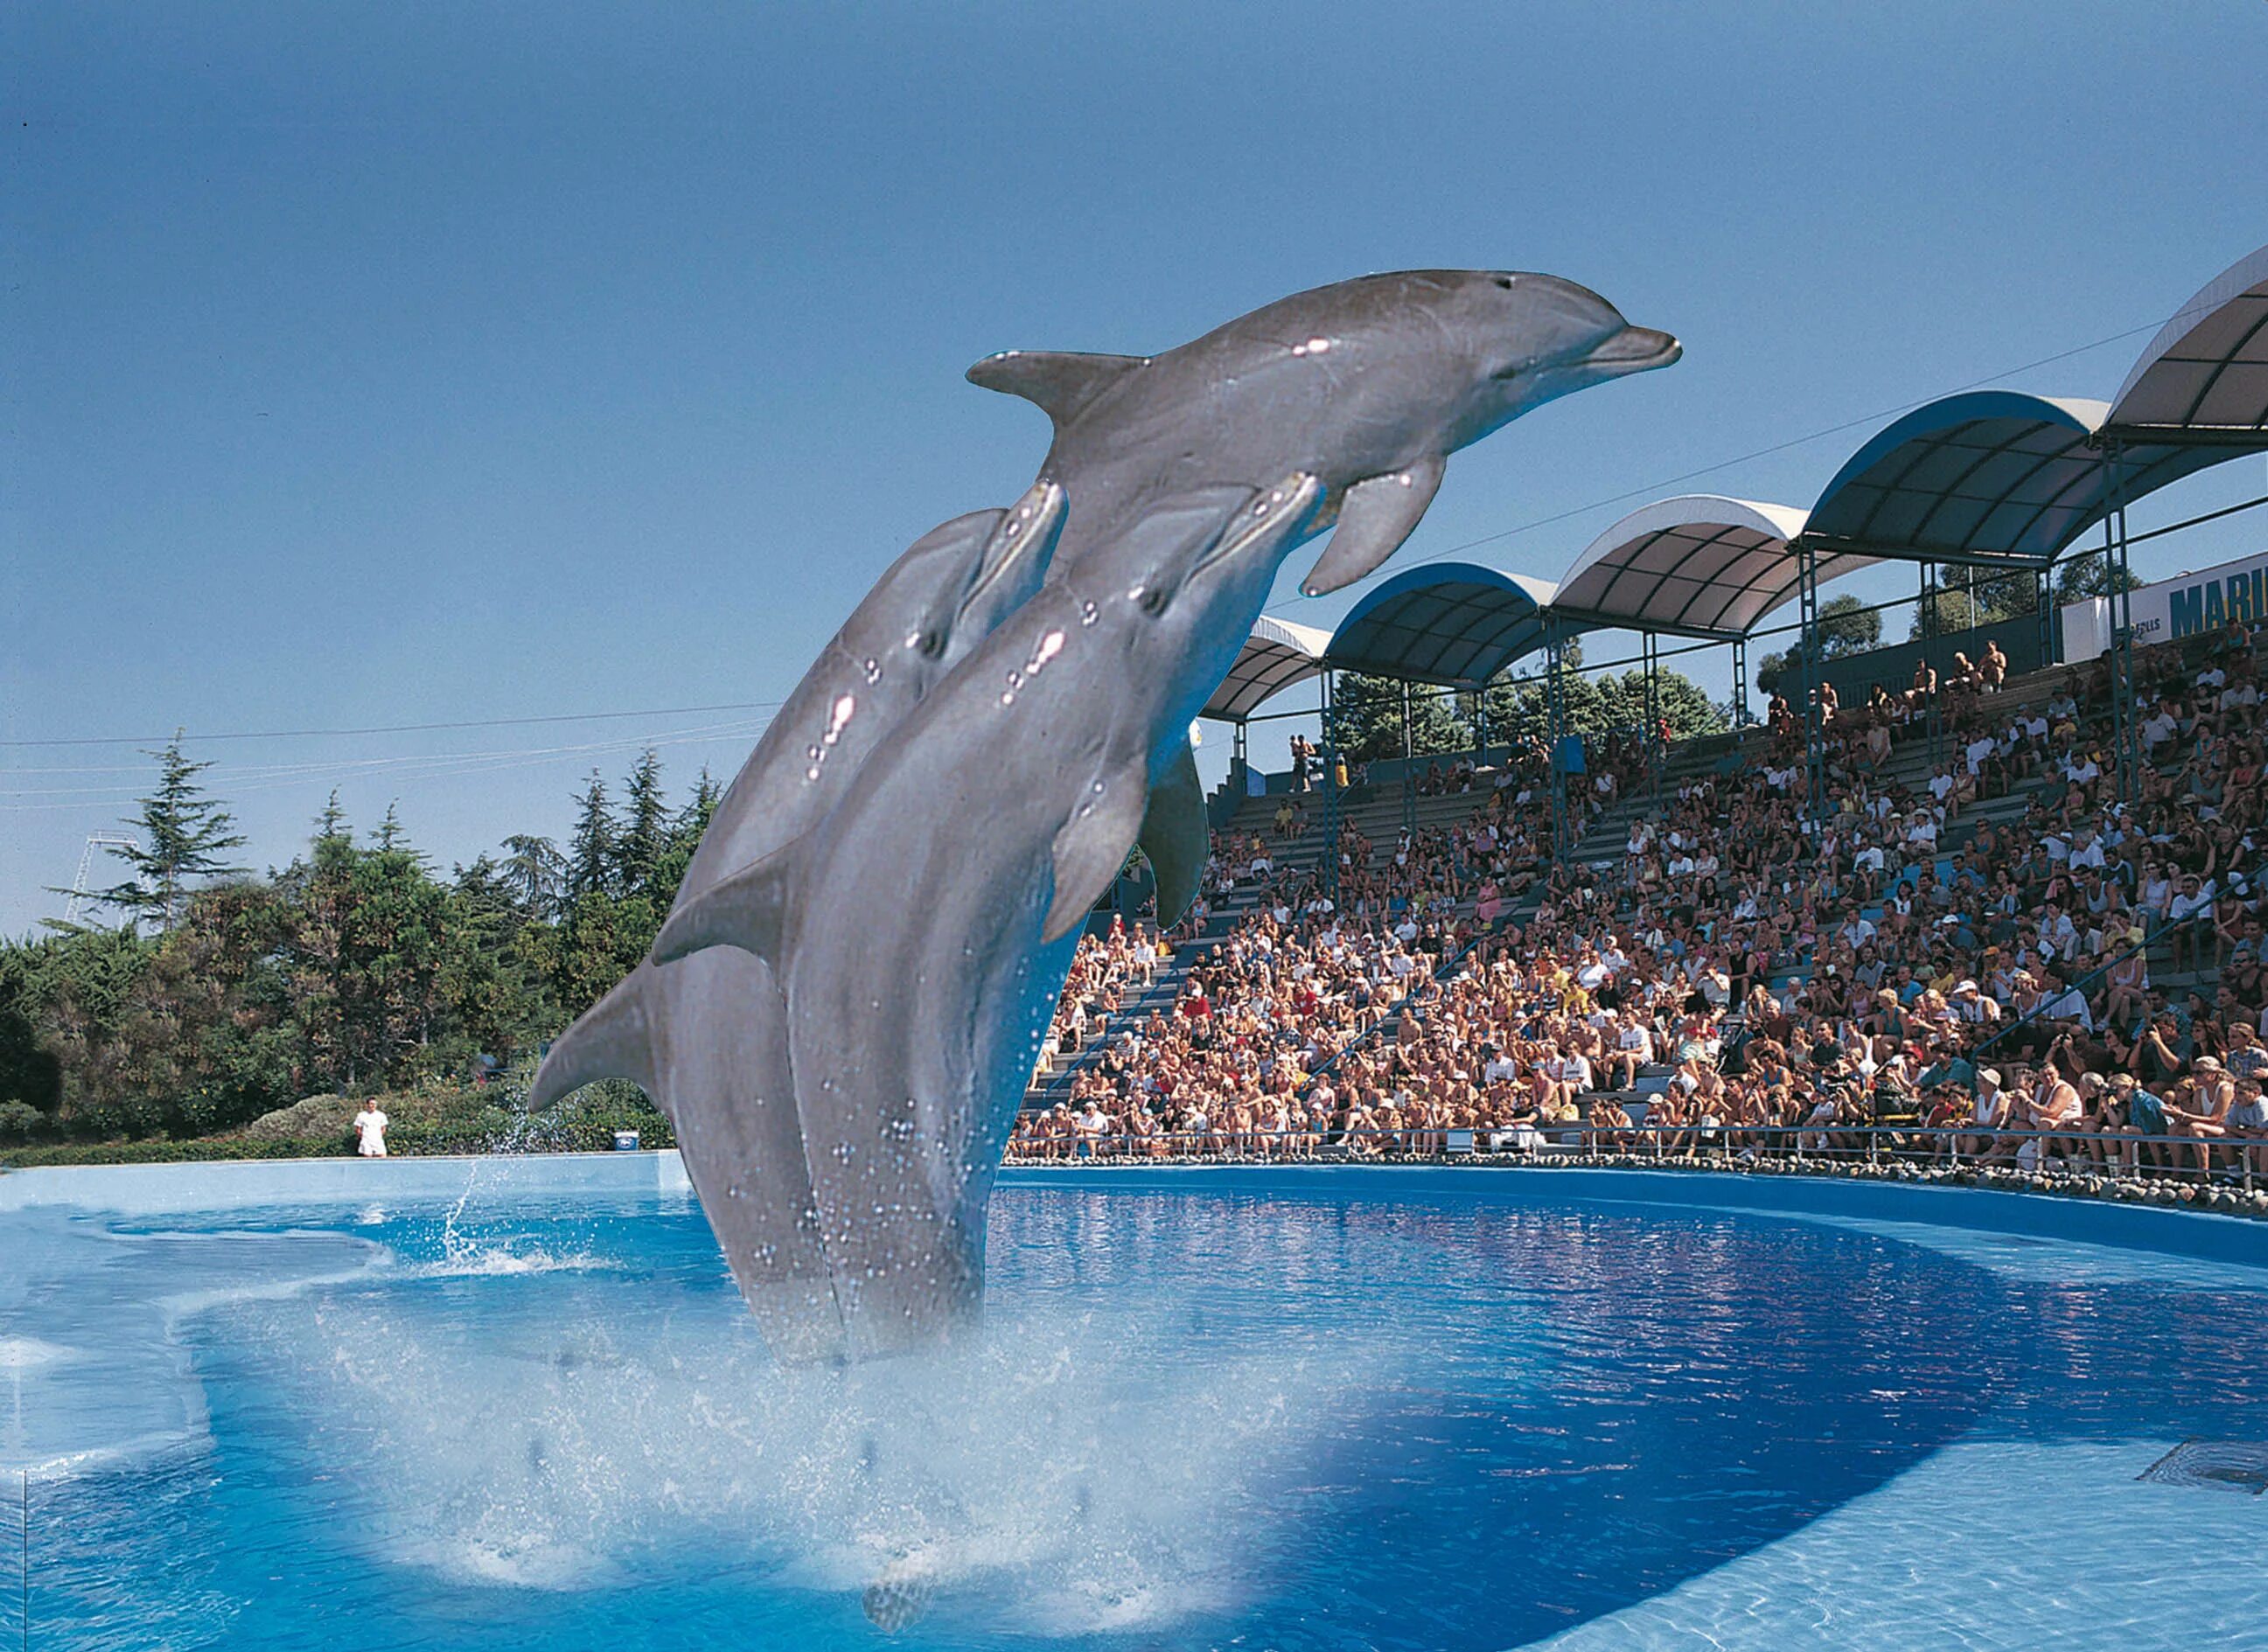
x: 1382, y: 1411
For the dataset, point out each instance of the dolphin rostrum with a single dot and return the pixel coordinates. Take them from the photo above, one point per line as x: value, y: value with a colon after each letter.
x: 704, y: 1037
x: 1005, y: 805
x: 922, y: 937
x: 1369, y: 385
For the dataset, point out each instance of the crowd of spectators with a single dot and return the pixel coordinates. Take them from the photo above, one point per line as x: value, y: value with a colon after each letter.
x: 1917, y: 967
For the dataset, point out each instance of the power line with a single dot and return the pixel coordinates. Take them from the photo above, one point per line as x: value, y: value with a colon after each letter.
x: 397, y: 728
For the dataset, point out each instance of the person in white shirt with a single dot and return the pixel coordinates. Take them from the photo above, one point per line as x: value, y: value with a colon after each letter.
x: 370, y: 1127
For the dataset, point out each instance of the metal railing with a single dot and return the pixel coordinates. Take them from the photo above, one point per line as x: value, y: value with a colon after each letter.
x: 2114, y: 1149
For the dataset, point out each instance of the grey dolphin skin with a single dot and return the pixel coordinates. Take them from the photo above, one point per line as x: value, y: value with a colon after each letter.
x: 922, y: 937
x: 705, y: 1037
x: 1003, y: 806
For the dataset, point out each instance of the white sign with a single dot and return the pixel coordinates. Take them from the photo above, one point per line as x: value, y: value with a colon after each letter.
x: 2173, y: 608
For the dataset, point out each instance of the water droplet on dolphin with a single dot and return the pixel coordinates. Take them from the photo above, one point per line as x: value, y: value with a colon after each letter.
x: 1087, y: 614
x: 839, y: 718
x: 873, y: 671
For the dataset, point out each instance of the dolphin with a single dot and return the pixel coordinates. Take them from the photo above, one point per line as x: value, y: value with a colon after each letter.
x: 922, y: 937
x: 1005, y: 805
x: 704, y: 1036
x: 1368, y: 384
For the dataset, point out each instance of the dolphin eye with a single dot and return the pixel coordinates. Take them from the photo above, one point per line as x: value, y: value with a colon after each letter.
x: 1152, y: 600
x: 929, y: 642
x: 1505, y: 281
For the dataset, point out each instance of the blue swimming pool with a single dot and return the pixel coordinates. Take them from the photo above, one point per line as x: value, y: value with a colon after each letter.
x: 517, y: 1405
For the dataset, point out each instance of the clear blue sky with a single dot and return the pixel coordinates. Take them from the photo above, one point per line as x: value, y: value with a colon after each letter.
x: 408, y: 364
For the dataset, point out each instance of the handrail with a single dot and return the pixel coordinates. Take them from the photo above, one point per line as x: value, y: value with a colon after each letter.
x: 1721, y: 1140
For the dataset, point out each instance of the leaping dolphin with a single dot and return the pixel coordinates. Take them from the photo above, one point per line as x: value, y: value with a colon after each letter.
x: 1368, y: 384
x: 922, y: 936
x: 704, y: 1036
x: 1005, y: 805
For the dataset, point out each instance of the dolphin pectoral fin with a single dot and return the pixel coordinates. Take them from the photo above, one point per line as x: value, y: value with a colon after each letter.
x: 1062, y: 383
x: 747, y: 910
x: 1378, y: 514
x: 1092, y: 847
x: 1177, y: 836
x: 612, y: 1038
x: 1027, y: 528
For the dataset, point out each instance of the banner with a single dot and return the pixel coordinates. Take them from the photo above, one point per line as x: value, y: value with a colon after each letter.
x: 2173, y: 608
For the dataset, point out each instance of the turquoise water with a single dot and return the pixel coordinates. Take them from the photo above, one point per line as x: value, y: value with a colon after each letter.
x: 1383, y: 1412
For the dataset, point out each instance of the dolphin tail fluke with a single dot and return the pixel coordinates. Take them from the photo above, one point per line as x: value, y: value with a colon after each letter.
x: 1378, y: 514
x: 1064, y: 383
x: 612, y: 1038
x: 747, y: 910
x: 1177, y: 836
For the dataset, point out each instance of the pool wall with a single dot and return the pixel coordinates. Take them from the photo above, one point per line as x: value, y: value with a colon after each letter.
x: 156, y: 1189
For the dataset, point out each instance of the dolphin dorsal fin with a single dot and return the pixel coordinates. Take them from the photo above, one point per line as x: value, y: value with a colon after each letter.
x: 748, y: 910
x: 1063, y: 383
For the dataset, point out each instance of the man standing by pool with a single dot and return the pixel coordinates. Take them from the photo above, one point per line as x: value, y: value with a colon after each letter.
x: 369, y: 1128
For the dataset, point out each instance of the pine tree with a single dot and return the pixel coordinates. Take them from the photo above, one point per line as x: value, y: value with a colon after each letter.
x: 181, y: 835
x: 591, y: 856
x: 645, y: 833
x: 536, y: 873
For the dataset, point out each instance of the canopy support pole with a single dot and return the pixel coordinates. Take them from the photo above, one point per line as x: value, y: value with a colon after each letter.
x: 1555, y: 725
x: 1740, y: 684
x: 1330, y: 798
x: 1807, y: 571
x: 1929, y: 652
x: 1653, y: 742
x: 2044, y: 600
x: 1409, y: 768
x: 2125, y: 713
x: 1480, y: 726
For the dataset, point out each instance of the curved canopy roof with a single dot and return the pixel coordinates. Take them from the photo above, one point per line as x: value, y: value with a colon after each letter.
x: 1277, y: 655
x: 1454, y: 623
x: 1986, y: 476
x: 1698, y: 565
x: 2204, y: 376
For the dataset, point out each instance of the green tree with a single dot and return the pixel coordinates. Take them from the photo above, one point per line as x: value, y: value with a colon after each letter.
x: 181, y: 836
x: 1366, y: 719
x: 644, y: 835
x: 2093, y: 575
x: 592, y: 856
x: 1846, y: 626
x: 535, y: 872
